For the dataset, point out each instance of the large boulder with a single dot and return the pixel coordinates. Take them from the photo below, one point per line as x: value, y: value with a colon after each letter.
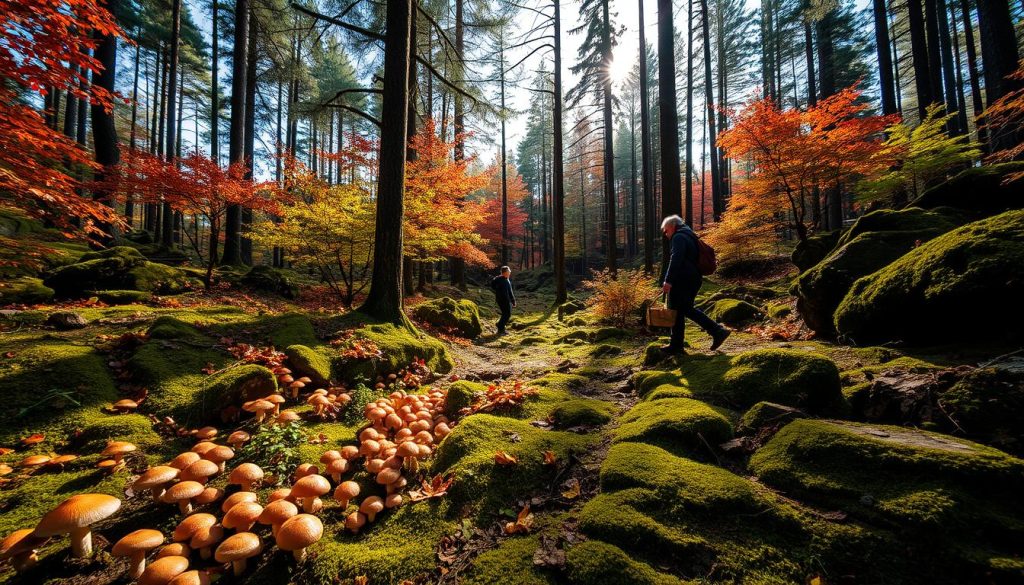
x: 973, y: 271
x: 734, y: 312
x: 791, y: 377
x: 980, y: 190
x: 271, y: 280
x: 306, y: 361
x: 680, y: 425
x: 117, y: 268
x: 461, y: 316
x: 809, y: 252
x: 24, y: 291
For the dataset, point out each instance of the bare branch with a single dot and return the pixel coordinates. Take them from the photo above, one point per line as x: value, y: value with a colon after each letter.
x: 345, y: 25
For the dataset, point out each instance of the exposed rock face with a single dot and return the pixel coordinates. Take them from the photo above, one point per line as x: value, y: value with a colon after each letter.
x: 66, y: 320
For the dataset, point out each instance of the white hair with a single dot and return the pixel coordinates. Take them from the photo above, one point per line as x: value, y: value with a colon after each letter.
x: 672, y: 220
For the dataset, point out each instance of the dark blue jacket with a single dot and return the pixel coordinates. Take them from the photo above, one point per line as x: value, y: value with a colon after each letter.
x: 682, y: 263
x: 503, y: 290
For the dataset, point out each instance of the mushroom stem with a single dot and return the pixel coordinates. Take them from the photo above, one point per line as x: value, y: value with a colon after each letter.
x: 299, y: 554
x: 336, y: 477
x: 308, y: 505
x: 158, y: 494
x: 246, y: 486
x: 260, y: 414
x: 81, y: 542
x: 185, y: 506
x: 238, y: 566
x: 138, y: 561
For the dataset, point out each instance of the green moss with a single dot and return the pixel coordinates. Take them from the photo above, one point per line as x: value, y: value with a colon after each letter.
x: 990, y: 193
x: 172, y: 370
x: 271, y: 280
x: 461, y: 395
x: 462, y: 316
x: 598, y: 562
x: 305, y: 361
x: 582, y: 411
x: 780, y: 310
x: 987, y: 405
x: 809, y: 252
x: 766, y: 414
x: 791, y: 377
x: 289, y: 329
x: 134, y: 428
x: 734, y: 312
x: 912, y: 298
x: 240, y: 384
x: 509, y: 563
x: 168, y: 327
x: 646, y: 381
x: 121, y: 297
x: 920, y: 481
x: 25, y: 291
x: 678, y: 424
x: 117, y: 268
x: 486, y: 487
x: 532, y: 340
x: 909, y: 219
x: 400, y: 346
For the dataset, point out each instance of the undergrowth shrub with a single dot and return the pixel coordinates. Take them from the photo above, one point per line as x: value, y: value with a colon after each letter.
x: 619, y: 299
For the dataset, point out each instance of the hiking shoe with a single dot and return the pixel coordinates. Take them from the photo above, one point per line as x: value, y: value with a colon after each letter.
x: 719, y: 338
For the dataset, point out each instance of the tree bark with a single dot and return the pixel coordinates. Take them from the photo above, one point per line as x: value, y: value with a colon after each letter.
x: 103, y: 130
x: 999, y: 53
x: 717, y: 202
x: 610, y: 198
x: 558, y: 186
x: 249, y: 150
x: 946, y: 49
x: 919, y: 55
x: 236, y: 147
x: 972, y: 68
x: 645, y: 150
x: 688, y: 184
x: 931, y: 22
x: 167, y: 231
x: 885, y: 75
x: 812, y: 89
x: 214, y: 89
x: 668, y: 131
x: 384, y: 301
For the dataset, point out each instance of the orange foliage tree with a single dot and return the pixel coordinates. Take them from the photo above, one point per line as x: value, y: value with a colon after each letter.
x: 44, y: 48
x: 1006, y: 117
x: 195, y: 185
x: 440, y: 219
x: 490, y: 228
x: 792, y: 156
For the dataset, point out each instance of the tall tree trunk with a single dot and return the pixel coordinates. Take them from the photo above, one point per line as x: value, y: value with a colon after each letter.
x: 919, y: 55
x: 668, y: 131
x: 103, y: 131
x: 458, y: 268
x: 214, y: 89
x: 236, y: 147
x: 504, y: 159
x: 826, y: 55
x: 688, y: 185
x: 249, y: 150
x: 384, y: 300
x: 135, y: 102
x: 717, y: 203
x: 558, y: 186
x: 645, y: 148
x: 167, y: 231
x: 610, y: 199
x: 946, y: 48
x: 812, y: 81
x: 961, y: 99
x: 972, y: 69
x: 885, y: 77
x: 459, y: 121
x: 931, y: 23
x: 999, y: 53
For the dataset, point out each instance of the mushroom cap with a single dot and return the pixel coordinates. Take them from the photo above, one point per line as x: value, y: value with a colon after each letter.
x: 238, y: 546
x: 280, y: 494
x: 372, y: 504
x: 350, y: 452
x: 355, y: 521
x: 185, y: 459
x: 76, y: 512
x: 183, y: 490
x: 219, y: 453
x: 338, y: 466
x: 242, y: 514
x: 238, y: 437
x: 388, y: 475
x: 238, y: 498
x: 18, y: 542
x: 126, y: 404
x: 275, y: 399
x: 245, y: 472
x: 203, y: 446
x: 209, y: 496
x: 393, y: 501
x: 329, y: 456
x: 162, y: 570
x: 117, y: 448
x: 277, y: 512
x: 311, y: 486
x: 408, y: 449
x: 303, y: 470
x: 288, y: 416
x: 347, y: 489
x: 192, y: 577
x: 175, y: 549
x: 206, y: 433
x: 200, y: 469
x: 299, y: 531
x: 143, y: 539
x: 208, y: 536
x: 62, y: 459
x: 192, y: 524
x: 34, y: 460
x: 155, y: 477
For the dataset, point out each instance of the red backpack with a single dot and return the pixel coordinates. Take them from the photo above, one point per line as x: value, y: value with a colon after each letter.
x: 706, y: 261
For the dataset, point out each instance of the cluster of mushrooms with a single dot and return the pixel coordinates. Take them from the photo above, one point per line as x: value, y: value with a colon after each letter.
x: 401, y: 431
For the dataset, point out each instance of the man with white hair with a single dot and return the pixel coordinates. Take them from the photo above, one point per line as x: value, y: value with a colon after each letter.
x: 681, y: 284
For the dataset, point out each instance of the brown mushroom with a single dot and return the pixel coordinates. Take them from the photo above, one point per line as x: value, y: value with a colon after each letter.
x: 277, y: 400
x: 345, y: 492
x: 155, y: 479
x: 117, y: 450
x: 393, y: 501
x: 238, y: 498
x: 20, y: 547
x: 298, y: 533
x: 303, y: 470
x: 206, y: 433
x: 237, y: 548
x: 34, y: 461
x: 175, y: 549
x: 309, y: 488
x: 204, y: 539
x: 242, y: 516
x: 349, y: 452
x: 74, y: 516
x: 238, y: 438
x: 209, y: 496
x: 329, y: 456
x: 182, y: 493
x: 162, y: 570
x: 203, y: 446
x: 355, y: 521
x: 192, y: 577
x: 259, y: 407
x: 281, y: 494
x: 136, y: 545
x: 388, y: 475
x: 192, y: 524
x: 337, y: 468
x: 60, y: 460
x: 109, y: 466
x: 371, y: 506
x: 245, y: 475
x: 287, y: 416
x: 125, y: 405
x: 276, y: 513
x: 185, y: 459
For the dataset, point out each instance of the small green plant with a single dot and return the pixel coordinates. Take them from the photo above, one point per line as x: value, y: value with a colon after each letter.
x: 54, y: 399
x: 361, y: 395
x: 272, y: 447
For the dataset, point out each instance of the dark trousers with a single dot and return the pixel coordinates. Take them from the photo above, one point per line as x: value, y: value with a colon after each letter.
x: 506, y: 314
x: 682, y: 301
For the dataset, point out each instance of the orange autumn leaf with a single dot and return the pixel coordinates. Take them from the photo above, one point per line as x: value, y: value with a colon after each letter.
x: 33, y: 439
x: 5, y: 469
x: 550, y: 458
x: 522, y: 524
x: 503, y: 458
x: 573, y: 490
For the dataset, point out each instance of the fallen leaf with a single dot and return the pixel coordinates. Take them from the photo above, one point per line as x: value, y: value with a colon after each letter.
x: 33, y: 439
x: 5, y: 450
x: 548, y: 554
x: 503, y: 458
x: 5, y: 469
x: 523, y: 523
x: 550, y: 458
x: 572, y: 489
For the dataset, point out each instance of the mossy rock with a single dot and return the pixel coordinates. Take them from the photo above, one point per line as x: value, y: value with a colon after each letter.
x: 570, y: 308
x: 680, y: 425
x: 765, y: 415
x: 399, y: 346
x: 594, y: 561
x: 911, y: 299
x: 866, y: 247
x: 532, y: 340
x: 271, y: 280
x: 133, y: 428
x: 461, y: 315
x: 988, y: 405
x: 461, y: 395
x: 986, y: 185
x: 241, y: 384
x: 795, y: 378
x: 509, y: 563
x: 168, y: 327
x: 734, y: 312
x: 121, y: 297
x: 809, y: 252
x: 479, y: 482
x: 172, y: 369
x: 117, y: 268
x: 582, y: 412
x: 305, y: 361
x: 645, y: 381
x: 920, y: 481
x: 780, y: 310
x: 25, y: 291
